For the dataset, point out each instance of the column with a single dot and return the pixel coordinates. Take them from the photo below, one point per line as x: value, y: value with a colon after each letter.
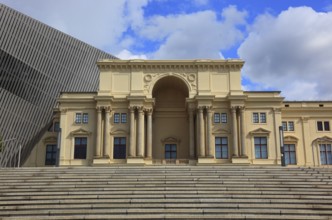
x: 243, y: 135
x: 191, y: 134
x: 201, y: 133
x: 140, y: 133
x: 149, y: 135
x: 98, y: 133
x: 209, y: 132
x: 234, y: 122
x: 106, y: 134
x: 132, y: 146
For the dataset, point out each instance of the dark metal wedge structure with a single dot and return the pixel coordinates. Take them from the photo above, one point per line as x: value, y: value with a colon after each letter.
x: 36, y: 63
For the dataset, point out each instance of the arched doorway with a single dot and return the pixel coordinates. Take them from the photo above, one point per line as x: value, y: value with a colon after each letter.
x: 170, y: 123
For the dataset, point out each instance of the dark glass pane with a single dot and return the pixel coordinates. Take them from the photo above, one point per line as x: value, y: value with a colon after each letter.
x: 168, y: 155
x: 257, y: 140
x: 173, y: 147
x: 218, y: 140
x: 173, y: 155
x: 224, y: 140
x: 116, y: 141
x: 263, y: 140
x: 322, y: 157
x: 167, y: 147
x: 327, y: 125
x: 319, y: 125
x: 84, y: 141
x: 218, y: 154
x: 123, y: 141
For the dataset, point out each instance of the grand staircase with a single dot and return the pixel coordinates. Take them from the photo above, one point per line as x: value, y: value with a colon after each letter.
x: 166, y: 192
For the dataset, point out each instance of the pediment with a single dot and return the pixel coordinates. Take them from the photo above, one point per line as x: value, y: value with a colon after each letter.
x: 171, y: 140
x: 220, y: 131
x: 119, y: 131
x: 322, y: 139
x: 80, y: 131
x: 260, y: 131
x: 290, y: 138
x: 50, y: 140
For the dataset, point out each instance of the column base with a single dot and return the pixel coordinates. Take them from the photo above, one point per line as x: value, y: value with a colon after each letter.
x: 100, y: 161
x: 240, y: 160
x: 135, y: 160
x: 206, y: 160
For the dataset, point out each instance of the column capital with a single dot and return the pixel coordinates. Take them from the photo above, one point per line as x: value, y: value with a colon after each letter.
x: 140, y: 108
x: 242, y: 108
x: 107, y: 108
x: 63, y: 110
x: 99, y: 108
x: 148, y: 110
x: 277, y: 110
x: 200, y: 108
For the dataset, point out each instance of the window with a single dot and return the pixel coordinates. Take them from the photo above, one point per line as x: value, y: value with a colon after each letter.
x: 216, y: 118
x: 56, y: 126
x: 259, y: 117
x: 51, y: 150
x: 260, y: 147
x: 288, y: 125
x: 119, y: 148
x: 221, y: 146
x: 80, y: 148
x: 290, y: 154
x: 85, y: 118
x: 325, y: 154
x: 78, y: 118
x: 323, y: 125
x: 170, y: 151
x: 255, y: 117
x: 223, y: 117
x: 116, y: 118
x: 262, y: 117
x: 123, y: 117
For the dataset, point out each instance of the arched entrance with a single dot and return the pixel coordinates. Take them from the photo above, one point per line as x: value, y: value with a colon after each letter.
x: 170, y: 124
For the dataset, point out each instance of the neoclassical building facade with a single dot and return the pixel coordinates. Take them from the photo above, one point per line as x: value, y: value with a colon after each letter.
x: 182, y: 112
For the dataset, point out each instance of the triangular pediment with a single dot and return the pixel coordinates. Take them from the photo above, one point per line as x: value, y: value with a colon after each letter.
x: 260, y: 131
x: 119, y: 131
x: 80, y: 131
x: 51, y: 139
x: 290, y: 138
x: 171, y: 140
x: 220, y: 131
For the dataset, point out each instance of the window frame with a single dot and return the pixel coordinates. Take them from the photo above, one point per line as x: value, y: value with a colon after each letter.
x: 78, y: 118
x: 123, y: 118
x: 223, y: 118
x: 77, y: 154
x: 117, y: 118
x: 171, y: 151
x: 326, y: 152
x: 325, y: 126
x: 85, y: 118
x: 261, y: 145
x: 216, y: 118
x: 53, y: 153
x: 222, y: 145
x: 290, y: 152
x: 120, y: 145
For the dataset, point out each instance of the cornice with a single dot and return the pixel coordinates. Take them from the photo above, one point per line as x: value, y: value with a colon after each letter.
x: 146, y: 65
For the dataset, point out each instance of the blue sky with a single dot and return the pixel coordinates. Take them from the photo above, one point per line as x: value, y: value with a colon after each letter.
x: 286, y: 44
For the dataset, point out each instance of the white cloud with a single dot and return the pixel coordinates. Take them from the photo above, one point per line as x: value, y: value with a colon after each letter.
x: 127, y: 55
x: 291, y: 52
x: 195, y: 35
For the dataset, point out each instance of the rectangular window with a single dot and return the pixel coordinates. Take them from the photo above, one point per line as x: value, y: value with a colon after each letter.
x: 291, y: 126
x: 323, y: 125
x: 80, y: 147
x: 223, y: 117
x: 170, y: 151
x: 262, y: 117
x: 85, y: 118
x: 50, y: 157
x: 123, y: 117
x: 260, y: 147
x: 221, y: 146
x: 78, y: 118
x: 290, y: 154
x: 56, y: 126
x: 284, y: 126
x: 119, y: 148
x: 325, y: 154
x: 116, y: 118
x: 216, y: 118
x: 255, y: 117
